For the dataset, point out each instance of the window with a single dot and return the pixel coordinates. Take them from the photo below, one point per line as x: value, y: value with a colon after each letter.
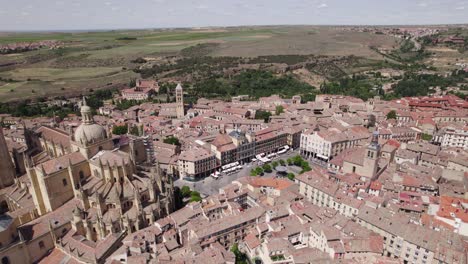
x: 64, y: 181
x: 354, y: 169
x: 41, y: 244
x: 81, y: 173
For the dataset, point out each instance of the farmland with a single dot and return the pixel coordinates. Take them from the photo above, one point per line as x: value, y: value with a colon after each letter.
x: 94, y: 60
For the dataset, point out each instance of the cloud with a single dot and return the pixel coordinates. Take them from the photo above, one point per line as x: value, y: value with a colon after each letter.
x: 422, y: 4
x: 202, y: 7
x: 460, y: 8
x: 108, y: 3
x: 322, y: 5
x: 25, y: 13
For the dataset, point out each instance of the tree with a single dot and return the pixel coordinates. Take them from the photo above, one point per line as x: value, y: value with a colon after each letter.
x: 279, y: 109
x: 253, y: 172
x: 426, y: 137
x: 241, y: 258
x: 185, y: 191
x: 274, y: 164
x: 172, y: 140
x: 392, y: 115
x: 195, y: 196
x: 179, y: 203
x: 119, y: 130
x: 267, y: 168
x: 259, y: 170
x: 291, y: 176
x: 290, y: 161
x: 132, y: 82
x: 297, y: 160
x: 282, y: 162
x: 261, y: 114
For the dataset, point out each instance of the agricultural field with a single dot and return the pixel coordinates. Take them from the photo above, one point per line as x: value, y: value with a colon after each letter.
x: 94, y: 60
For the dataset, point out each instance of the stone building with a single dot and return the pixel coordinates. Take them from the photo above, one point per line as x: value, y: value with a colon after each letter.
x: 7, y: 171
x: 180, y: 101
x: 91, y: 194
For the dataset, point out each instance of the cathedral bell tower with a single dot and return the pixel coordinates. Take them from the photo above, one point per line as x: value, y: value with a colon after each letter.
x: 180, y: 101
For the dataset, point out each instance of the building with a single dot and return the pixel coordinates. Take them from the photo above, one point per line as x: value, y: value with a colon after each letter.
x: 87, y: 199
x: 143, y: 90
x: 365, y: 162
x: 7, y: 171
x: 196, y: 163
x: 324, y: 145
x: 454, y: 137
x: 180, y: 110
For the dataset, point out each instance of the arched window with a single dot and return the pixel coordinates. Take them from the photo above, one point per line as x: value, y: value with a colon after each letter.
x: 41, y: 244
x: 5, y: 260
x: 64, y: 181
x: 81, y: 173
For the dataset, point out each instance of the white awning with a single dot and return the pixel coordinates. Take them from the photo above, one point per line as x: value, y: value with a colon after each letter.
x: 321, y: 156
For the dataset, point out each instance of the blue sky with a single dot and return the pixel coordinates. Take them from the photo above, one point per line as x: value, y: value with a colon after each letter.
x: 110, y: 14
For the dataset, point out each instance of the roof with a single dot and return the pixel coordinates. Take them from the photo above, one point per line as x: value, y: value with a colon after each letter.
x: 63, y: 162
x: 276, y: 183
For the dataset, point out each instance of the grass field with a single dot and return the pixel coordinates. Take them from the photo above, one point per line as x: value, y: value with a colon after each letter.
x: 92, y: 60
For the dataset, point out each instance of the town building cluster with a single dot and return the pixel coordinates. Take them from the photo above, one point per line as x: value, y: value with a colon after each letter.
x: 388, y: 182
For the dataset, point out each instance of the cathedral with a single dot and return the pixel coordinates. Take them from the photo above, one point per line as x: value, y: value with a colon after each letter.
x: 113, y: 189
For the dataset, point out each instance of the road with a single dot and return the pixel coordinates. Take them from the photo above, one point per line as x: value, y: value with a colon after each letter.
x: 209, y: 185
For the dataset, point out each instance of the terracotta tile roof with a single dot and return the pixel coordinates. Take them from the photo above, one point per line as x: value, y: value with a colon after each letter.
x: 276, y: 183
x: 453, y: 207
x: 55, y: 135
x: 61, y: 163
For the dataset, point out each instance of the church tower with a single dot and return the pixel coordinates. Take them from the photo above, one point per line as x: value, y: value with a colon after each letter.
x: 180, y: 101
x: 372, y: 156
x: 7, y: 171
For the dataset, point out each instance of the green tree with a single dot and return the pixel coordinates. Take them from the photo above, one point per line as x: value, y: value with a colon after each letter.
x: 289, y: 161
x: 253, y: 172
x: 261, y: 114
x: 392, y: 115
x: 291, y: 176
x: 195, y: 196
x: 426, y: 137
x: 259, y: 170
x: 132, y: 82
x: 267, y: 168
x: 297, y: 160
x: 185, y: 191
x: 282, y: 162
x: 274, y: 164
x: 172, y: 140
x: 241, y: 258
x: 279, y: 109
x: 120, y: 130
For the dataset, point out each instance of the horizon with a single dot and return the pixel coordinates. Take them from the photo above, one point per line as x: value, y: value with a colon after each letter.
x: 84, y: 30
x: 72, y: 15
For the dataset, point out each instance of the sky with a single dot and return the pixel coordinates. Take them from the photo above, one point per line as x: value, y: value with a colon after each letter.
x: 21, y: 15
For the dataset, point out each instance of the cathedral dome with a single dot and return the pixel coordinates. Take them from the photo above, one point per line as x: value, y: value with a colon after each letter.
x: 88, y: 131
